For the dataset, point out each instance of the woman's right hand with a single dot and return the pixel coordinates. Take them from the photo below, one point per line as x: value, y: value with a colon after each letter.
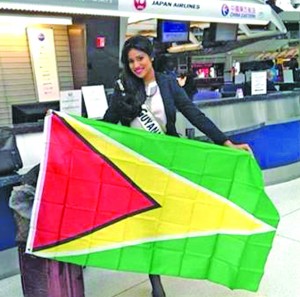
x: 241, y: 146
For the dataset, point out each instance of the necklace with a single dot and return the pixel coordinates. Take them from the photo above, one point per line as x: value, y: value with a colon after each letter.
x: 151, y: 89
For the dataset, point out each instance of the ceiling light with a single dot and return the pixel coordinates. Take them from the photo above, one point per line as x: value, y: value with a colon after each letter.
x: 33, y: 19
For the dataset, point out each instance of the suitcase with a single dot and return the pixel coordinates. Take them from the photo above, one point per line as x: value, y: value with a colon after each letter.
x: 10, y: 158
x: 48, y: 278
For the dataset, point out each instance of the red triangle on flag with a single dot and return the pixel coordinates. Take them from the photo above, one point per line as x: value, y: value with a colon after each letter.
x: 82, y: 191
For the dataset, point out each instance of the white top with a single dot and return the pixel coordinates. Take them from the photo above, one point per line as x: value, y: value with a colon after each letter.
x: 155, y: 105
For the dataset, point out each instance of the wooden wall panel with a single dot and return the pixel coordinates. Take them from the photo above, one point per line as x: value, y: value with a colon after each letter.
x: 16, y: 76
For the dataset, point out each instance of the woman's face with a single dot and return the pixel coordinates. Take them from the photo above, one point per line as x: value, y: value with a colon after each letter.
x: 141, y: 65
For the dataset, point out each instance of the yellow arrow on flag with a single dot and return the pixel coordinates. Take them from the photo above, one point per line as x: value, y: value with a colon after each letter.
x: 187, y: 209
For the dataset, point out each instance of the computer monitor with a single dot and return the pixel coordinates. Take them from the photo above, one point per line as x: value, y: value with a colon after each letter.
x: 173, y: 31
x: 219, y: 33
x: 224, y: 31
x: 32, y: 112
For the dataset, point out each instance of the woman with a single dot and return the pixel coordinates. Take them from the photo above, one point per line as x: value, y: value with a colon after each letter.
x: 148, y: 100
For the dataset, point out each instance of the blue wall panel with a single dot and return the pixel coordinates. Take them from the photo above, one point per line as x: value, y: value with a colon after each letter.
x: 7, y: 223
x: 273, y: 145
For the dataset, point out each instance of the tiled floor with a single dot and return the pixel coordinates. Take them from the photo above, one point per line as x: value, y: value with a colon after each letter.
x: 281, y: 279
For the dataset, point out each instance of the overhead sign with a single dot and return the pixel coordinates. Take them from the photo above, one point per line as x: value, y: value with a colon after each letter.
x: 215, y: 10
x: 241, y: 12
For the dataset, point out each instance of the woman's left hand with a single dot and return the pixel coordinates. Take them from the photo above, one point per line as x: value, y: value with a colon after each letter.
x: 241, y: 146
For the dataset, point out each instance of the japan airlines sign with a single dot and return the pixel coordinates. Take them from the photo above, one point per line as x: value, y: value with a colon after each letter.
x: 238, y: 12
x: 218, y: 11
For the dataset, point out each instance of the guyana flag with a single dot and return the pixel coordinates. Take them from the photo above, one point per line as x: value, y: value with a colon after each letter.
x: 124, y: 199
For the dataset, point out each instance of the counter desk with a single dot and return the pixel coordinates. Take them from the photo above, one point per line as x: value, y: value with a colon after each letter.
x: 269, y: 123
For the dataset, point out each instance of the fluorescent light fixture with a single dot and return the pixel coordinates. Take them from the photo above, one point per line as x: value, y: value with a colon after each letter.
x: 35, y: 19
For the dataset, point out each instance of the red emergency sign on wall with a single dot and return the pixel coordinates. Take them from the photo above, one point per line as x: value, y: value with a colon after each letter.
x: 100, y: 42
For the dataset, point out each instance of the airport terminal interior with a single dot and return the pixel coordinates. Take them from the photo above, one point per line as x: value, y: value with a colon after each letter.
x: 243, y: 75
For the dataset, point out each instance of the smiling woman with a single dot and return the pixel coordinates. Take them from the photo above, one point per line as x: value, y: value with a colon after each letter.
x: 147, y: 100
x: 141, y: 65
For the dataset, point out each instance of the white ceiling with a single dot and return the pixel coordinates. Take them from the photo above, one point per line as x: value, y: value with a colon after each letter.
x: 286, y: 5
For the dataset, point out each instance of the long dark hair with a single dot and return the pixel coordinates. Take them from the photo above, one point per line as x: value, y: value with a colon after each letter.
x: 133, y: 85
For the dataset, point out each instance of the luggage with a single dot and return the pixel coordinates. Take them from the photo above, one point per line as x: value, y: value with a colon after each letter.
x: 48, y: 278
x: 40, y: 277
x: 10, y: 159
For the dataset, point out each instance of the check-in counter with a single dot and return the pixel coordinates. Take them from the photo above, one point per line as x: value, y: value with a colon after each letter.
x: 233, y: 115
x: 269, y: 123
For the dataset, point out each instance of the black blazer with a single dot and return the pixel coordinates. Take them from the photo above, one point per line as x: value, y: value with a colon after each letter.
x: 174, y: 98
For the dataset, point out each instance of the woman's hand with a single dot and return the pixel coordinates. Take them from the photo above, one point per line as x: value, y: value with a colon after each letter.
x: 242, y: 146
x: 48, y: 112
x: 181, y: 80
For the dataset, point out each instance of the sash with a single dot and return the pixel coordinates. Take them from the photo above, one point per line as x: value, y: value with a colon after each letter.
x: 148, y: 121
